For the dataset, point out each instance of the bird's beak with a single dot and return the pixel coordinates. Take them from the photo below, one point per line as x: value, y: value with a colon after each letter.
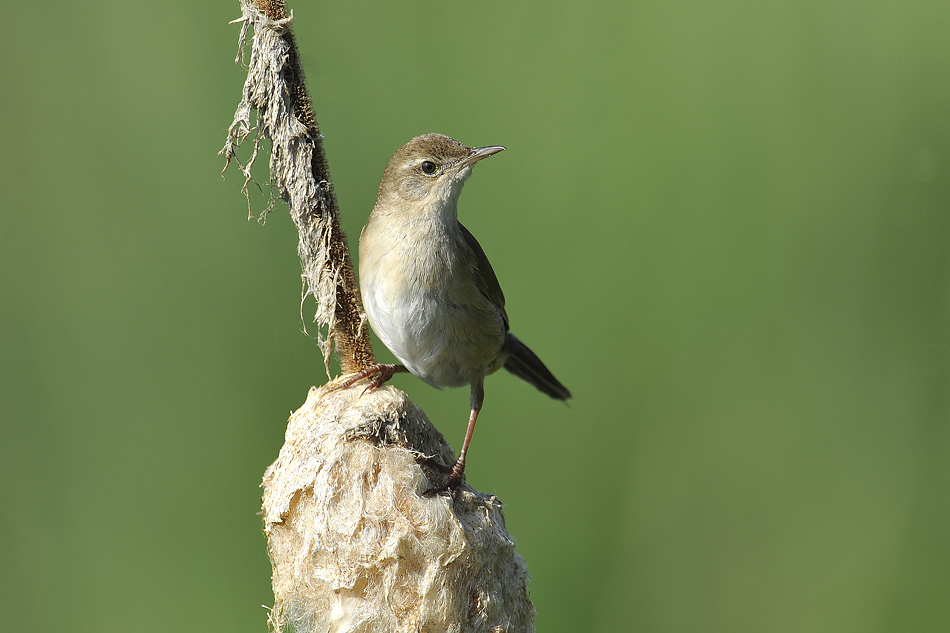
x: 479, y: 153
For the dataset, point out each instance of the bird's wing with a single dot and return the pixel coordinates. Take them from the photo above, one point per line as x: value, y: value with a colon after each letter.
x: 485, y: 277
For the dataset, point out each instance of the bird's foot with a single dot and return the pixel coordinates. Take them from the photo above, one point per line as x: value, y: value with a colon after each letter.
x: 455, y: 474
x: 380, y: 372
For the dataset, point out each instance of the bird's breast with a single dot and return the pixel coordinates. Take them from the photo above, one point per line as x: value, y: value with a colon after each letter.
x: 421, y: 300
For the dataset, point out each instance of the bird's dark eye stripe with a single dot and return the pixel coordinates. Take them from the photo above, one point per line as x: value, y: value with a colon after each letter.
x: 428, y: 167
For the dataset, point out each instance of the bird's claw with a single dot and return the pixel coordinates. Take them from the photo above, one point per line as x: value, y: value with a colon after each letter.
x: 382, y: 373
x: 453, y: 481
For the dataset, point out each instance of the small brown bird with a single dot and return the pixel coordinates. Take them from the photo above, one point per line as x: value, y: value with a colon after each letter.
x: 429, y: 291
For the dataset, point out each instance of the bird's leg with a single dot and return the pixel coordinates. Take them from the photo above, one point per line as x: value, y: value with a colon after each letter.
x: 478, y: 396
x: 381, y: 371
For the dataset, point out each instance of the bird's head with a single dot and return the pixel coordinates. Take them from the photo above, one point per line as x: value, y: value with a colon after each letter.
x: 429, y: 171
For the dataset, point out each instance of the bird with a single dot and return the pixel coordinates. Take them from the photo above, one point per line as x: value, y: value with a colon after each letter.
x: 428, y: 289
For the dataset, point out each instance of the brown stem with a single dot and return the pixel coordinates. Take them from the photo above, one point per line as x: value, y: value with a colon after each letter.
x: 302, y: 177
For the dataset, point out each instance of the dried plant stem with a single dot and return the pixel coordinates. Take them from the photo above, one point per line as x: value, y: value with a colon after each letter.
x: 355, y: 542
x: 276, y: 91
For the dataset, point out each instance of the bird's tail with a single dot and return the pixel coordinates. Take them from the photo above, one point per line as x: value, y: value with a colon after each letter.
x: 525, y: 364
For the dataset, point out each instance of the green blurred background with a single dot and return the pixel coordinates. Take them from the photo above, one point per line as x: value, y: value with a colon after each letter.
x: 723, y: 225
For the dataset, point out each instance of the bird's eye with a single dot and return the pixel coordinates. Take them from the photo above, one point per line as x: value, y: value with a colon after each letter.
x: 428, y: 167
